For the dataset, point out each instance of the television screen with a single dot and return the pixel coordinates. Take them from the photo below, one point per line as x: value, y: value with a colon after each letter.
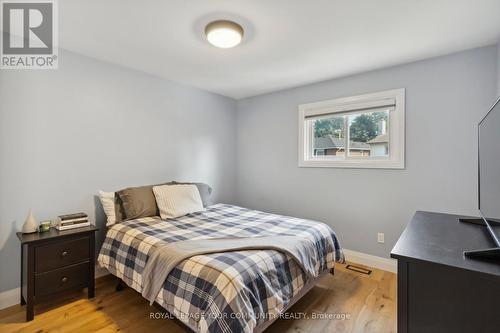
x: 489, y: 164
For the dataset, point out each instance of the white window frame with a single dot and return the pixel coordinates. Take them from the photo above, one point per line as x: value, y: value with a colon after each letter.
x: 356, y: 104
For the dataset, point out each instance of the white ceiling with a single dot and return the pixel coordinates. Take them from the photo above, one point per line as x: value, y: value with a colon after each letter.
x: 287, y: 43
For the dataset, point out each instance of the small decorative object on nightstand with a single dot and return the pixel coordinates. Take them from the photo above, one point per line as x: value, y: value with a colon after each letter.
x: 44, y: 226
x: 30, y: 224
x: 56, y: 261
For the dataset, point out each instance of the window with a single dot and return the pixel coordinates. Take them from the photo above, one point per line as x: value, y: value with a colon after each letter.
x: 366, y: 131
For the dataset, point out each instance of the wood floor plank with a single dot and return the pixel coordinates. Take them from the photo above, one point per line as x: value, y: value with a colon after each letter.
x: 356, y: 302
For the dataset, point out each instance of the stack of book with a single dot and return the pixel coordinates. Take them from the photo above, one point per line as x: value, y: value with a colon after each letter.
x: 70, y: 221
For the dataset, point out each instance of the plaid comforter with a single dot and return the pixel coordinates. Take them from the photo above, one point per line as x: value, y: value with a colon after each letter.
x: 203, y: 290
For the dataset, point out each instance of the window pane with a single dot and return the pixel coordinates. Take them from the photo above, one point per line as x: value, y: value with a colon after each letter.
x: 329, y: 137
x: 369, y: 134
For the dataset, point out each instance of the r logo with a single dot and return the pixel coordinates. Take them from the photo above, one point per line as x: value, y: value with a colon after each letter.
x: 29, y: 34
x: 27, y: 28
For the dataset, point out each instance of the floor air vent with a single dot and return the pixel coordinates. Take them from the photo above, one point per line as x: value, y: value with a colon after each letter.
x: 359, y: 269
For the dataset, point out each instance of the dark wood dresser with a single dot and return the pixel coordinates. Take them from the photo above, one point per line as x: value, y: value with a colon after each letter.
x: 56, y: 261
x: 439, y: 290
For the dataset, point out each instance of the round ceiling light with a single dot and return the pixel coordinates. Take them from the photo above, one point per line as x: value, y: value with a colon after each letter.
x: 224, y: 34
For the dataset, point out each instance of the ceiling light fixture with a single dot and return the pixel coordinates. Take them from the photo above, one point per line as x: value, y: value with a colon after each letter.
x: 224, y: 34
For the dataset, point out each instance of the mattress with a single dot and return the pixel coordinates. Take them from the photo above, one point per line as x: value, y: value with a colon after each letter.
x: 204, y: 290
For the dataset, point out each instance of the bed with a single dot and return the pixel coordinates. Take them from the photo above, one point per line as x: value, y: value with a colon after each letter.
x: 204, y: 290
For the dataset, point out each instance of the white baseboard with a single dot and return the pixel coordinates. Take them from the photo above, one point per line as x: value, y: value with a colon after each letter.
x: 385, y: 264
x: 12, y: 297
x: 9, y: 298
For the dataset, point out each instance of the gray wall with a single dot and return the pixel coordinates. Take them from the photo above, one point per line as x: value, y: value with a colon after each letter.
x: 498, y: 69
x: 445, y: 98
x: 65, y: 134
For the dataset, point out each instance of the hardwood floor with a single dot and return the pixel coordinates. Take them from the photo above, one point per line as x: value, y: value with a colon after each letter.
x: 367, y: 302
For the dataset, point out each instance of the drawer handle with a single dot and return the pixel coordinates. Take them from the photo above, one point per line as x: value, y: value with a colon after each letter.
x: 64, y: 280
x: 64, y: 253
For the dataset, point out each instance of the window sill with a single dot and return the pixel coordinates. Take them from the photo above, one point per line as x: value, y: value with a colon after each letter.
x: 353, y: 164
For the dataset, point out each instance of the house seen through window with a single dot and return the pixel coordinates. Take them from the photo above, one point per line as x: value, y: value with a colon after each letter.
x: 367, y: 135
x: 363, y: 131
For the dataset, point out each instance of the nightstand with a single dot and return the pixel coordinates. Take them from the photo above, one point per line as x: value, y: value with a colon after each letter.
x: 56, y: 261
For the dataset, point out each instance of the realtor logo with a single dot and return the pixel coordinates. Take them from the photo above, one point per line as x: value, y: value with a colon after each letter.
x: 29, y: 35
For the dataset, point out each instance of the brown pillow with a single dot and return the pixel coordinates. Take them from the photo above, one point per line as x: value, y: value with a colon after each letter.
x: 139, y: 202
x: 119, y: 211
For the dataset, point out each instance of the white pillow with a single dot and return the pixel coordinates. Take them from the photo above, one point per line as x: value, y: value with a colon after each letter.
x: 177, y: 200
x: 108, y: 204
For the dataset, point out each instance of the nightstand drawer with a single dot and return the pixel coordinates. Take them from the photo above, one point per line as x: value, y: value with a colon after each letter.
x: 60, y: 254
x: 62, y: 279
